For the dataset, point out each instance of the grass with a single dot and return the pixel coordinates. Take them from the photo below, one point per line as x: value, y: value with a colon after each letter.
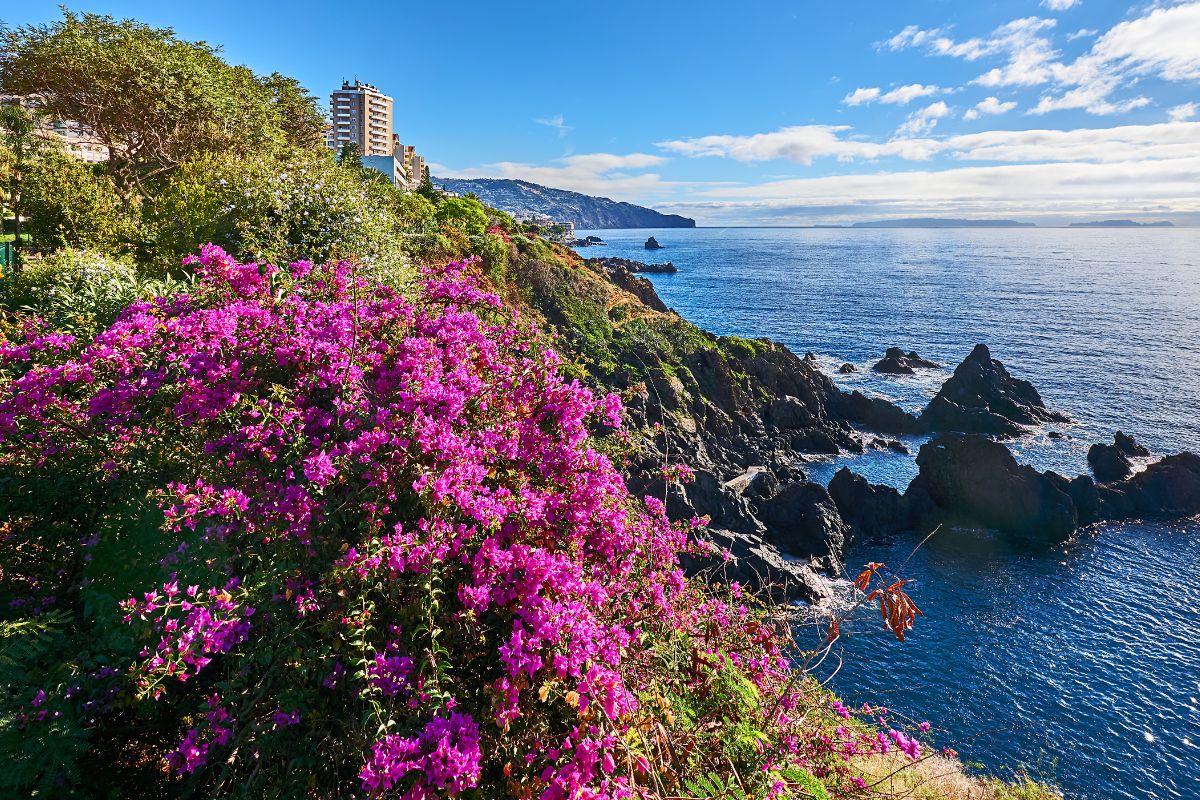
x: 940, y: 778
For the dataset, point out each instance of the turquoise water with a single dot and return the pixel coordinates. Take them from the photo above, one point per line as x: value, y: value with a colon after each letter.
x: 1082, y: 663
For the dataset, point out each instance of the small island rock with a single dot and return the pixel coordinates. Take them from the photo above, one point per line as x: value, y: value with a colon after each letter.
x: 982, y: 397
x: 896, y: 362
x: 652, y: 244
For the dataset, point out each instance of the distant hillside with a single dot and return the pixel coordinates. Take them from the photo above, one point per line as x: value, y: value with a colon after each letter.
x: 1122, y: 223
x: 934, y: 222
x: 522, y: 198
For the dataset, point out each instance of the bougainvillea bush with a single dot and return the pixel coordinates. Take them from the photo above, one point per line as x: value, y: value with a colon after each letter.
x: 295, y: 534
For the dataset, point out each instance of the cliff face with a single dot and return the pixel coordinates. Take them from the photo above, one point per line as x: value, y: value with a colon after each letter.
x: 743, y: 414
x: 523, y: 198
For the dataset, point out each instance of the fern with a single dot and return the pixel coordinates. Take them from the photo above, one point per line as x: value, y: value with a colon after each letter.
x: 712, y: 786
x: 33, y: 655
x: 808, y: 784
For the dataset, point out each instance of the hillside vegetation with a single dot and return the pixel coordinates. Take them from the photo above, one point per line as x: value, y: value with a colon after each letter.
x: 310, y: 487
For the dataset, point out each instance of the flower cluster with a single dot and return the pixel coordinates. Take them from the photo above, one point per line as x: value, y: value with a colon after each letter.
x: 410, y: 544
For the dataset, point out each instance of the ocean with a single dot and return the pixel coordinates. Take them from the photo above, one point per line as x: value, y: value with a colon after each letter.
x: 1082, y: 664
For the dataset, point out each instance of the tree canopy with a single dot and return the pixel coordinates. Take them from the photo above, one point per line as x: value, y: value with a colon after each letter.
x: 154, y: 100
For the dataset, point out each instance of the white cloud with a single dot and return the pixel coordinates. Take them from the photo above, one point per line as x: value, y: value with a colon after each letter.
x: 901, y: 95
x: 800, y: 144
x: 604, y: 174
x: 860, y: 96
x: 923, y: 120
x: 1011, y: 38
x: 1029, y: 53
x: 557, y: 123
x: 1082, y: 33
x: 1183, y: 112
x: 989, y: 105
x: 1124, y: 187
x: 1060, y: 5
x: 806, y: 143
x: 1165, y: 42
x: 1161, y: 43
x: 1164, y: 141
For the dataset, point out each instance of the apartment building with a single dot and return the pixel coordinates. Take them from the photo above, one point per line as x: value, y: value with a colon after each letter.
x: 360, y: 114
x: 76, y: 139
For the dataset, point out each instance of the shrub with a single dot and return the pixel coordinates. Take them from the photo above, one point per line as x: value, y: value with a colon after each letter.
x: 69, y: 205
x: 465, y: 213
x: 391, y: 561
x: 304, y: 206
x: 78, y: 291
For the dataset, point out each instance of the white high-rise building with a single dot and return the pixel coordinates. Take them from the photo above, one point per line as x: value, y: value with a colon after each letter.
x: 360, y: 114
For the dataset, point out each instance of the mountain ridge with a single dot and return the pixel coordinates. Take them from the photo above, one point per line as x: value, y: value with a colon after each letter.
x: 524, y: 198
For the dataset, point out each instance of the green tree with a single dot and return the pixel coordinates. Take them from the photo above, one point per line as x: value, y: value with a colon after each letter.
x: 299, y: 115
x: 154, y: 100
x: 21, y: 143
x: 349, y: 156
x: 465, y: 213
x: 426, y: 189
x: 69, y: 205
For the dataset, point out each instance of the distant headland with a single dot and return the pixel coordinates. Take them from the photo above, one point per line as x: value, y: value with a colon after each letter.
x: 525, y: 199
x: 934, y: 222
x: 1122, y: 223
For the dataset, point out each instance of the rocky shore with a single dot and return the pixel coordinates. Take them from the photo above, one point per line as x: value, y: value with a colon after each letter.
x: 747, y: 416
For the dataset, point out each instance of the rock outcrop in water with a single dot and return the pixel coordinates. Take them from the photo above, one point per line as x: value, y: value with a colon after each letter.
x: 1114, y: 462
x: 975, y: 481
x: 652, y: 244
x: 868, y: 509
x: 972, y: 481
x: 634, y: 266
x: 982, y: 397
x: 896, y: 362
x: 1108, y: 463
x: 1169, y: 487
x: 1130, y: 446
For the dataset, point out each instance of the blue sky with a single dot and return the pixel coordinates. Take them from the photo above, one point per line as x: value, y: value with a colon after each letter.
x: 764, y: 112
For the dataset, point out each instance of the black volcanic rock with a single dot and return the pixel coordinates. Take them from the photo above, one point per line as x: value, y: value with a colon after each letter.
x: 896, y: 362
x: 1169, y: 487
x: 1129, y: 446
x: 868, y: 509
x: 757, y: 566
x: 652, y: 244
x: 1083, y: 493
x: 875, y: 413
x: 634, y: 266
x: 525, y: 199
x: 1109, y: 463
x: 970, y: 479
x: 802, y: 521
x: 847, y: 368
x: 981, y: 397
